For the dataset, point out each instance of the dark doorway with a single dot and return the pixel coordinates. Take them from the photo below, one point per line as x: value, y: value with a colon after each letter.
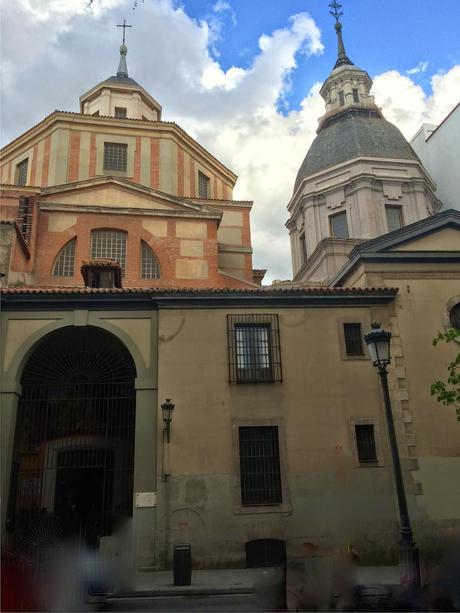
x: 265, y: 552
x: 74, y: 442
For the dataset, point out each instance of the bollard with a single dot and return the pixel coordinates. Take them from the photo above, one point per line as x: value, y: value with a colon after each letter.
x: 182, y: 564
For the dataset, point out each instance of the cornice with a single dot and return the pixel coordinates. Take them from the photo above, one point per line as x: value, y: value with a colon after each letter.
x: 107, y: 210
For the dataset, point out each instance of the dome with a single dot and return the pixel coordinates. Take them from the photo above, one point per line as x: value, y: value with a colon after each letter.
x: 352, y: 134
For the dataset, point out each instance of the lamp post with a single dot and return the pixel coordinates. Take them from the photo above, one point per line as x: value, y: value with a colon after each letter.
x: 167, y: 409
x: 378, y: 343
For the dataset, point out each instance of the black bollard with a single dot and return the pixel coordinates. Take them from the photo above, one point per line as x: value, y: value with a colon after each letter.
x: 182, y: 564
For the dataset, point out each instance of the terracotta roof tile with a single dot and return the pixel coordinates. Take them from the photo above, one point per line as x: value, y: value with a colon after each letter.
x: 267, y: 290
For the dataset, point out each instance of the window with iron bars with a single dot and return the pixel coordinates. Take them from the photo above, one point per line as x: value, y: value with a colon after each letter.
x: 353, y: 339
x: 21, y: 172
x: 254, y: 348
x: 150, y: 267
x: 260, y: 473
x: 65, y: 261
x: 203, y: 185
x: 115, y: 156
x: 120, y: 111
x: 365, y: 443
x: 109, y: 244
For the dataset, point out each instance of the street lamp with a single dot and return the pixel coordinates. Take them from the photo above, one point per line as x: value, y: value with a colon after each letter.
x: 378, y: 343
x: 167, y: 409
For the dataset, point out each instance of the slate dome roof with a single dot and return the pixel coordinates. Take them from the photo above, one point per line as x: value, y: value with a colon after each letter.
x: 354, y: 133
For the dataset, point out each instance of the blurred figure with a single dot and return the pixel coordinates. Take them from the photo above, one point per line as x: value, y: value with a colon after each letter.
x: 445, y: 586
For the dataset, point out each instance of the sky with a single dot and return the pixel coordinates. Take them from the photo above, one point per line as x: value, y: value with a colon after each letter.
x: 240, y: 76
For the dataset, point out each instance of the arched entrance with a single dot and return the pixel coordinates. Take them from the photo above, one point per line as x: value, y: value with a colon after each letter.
x: 73, y: 455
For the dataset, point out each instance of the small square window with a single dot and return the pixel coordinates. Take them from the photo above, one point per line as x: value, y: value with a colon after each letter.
x: 355, y: 95
x: 203, y: 185
x: 21, y: 172
x: 254, y: 348
x: 353, y: 339
x: 120, y: 111
x: 365, y: 443
x: 339, y: 225
x: 115, y: 156
x: 394, y: 217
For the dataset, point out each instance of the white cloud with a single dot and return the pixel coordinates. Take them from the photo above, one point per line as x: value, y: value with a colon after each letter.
x: 405, y: 103
x: 233, y: 112
x: 421, y: 67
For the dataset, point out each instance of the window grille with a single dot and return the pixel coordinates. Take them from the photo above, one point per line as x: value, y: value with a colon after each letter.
x: 353, y: 339
x: 120, y: 111
x: 115, y: 156
x: 150, y: 267
x: 203, y: 185
x: 341, y: 98
x: 394, y: 217
x: 365, y: 443
x: 65, y: 261
x: 21, y: 172
x: 355, y: 95
x: 454, y: 316
x: 260, y: 474
x: 254, y: 348
x: 109, y: 244
x: 339, y: 225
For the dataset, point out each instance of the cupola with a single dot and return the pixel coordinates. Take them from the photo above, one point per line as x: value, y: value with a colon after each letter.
x: 120, y: 95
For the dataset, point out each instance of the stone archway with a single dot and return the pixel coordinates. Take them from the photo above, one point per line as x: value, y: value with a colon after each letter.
x: 73, y: 460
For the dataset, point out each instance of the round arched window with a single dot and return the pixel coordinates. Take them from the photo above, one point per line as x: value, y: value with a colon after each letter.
x: 454, y: 316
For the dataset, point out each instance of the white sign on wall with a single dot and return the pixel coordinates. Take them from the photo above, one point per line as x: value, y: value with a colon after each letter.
x: 146, y: 500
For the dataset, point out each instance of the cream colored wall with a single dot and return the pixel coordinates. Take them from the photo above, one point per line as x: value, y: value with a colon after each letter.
x: 105, y: 103
x: 330, y: 500
x: 113, y: 196
x: 444, y: 240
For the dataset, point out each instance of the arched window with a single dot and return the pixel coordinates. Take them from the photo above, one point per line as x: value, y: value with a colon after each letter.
x: 110, y: 244
x: 150, y: 267
x: 64, y: 263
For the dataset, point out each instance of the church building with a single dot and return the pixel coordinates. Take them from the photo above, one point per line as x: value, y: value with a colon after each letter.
x: 150, y: 380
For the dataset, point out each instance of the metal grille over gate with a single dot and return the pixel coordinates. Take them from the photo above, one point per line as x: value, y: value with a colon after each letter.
x: 74, y: 444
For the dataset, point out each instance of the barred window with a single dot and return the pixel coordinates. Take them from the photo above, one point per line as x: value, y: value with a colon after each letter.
x: 150, y: 267
x: 355, y: 95
x: 109, y: 244
x: 365, y: 443
x: 21, y: 172
x: 115, y: 156
x: 394, y: 217
x: 65, y: 261
x: 339, y: 225
x: 203, y: 185
x: 120, y: 111
x: 260, y: 474
x: 254, y: 348
x: 341, y: 98
x: 353, y: 339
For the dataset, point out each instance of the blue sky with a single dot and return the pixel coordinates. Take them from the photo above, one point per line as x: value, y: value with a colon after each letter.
x: 241, y: 76
x: 379, y: 35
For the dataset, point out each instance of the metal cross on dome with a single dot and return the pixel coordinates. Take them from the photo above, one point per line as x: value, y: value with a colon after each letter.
x: 336, y: 12
x: 124, y: 26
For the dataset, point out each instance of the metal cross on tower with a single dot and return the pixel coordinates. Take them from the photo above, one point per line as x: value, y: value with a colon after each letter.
x: 336, y: 12
x: 124, y: 26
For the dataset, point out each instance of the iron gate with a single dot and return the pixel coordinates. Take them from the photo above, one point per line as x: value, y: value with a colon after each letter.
x: 73, y: 461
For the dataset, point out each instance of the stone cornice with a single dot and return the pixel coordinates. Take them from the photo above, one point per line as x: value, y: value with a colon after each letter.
x: 329, y: 173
